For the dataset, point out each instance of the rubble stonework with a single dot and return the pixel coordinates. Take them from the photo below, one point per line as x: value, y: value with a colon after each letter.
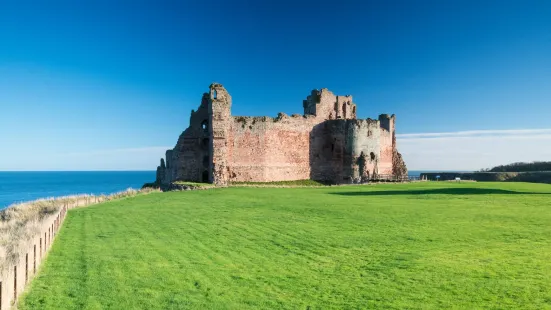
x: 325, y: 144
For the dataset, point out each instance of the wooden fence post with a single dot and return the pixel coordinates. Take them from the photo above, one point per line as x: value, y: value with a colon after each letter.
x: 40, y: 247
x: 14, y: 283
x: 34, y: 261
x: 26, y: 268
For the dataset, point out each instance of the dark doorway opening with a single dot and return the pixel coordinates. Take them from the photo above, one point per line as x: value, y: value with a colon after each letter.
x: 344, y: 110
x: 205, y: 178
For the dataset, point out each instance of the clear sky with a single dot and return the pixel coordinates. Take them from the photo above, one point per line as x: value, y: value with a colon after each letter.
x: 109, y: 85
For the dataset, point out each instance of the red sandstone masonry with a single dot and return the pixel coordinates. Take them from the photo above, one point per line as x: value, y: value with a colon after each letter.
x: 327, y: 143
x: 258, y: 149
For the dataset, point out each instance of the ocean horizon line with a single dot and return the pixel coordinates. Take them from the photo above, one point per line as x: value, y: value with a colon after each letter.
x: 145, y: 170
x: 150, y: 170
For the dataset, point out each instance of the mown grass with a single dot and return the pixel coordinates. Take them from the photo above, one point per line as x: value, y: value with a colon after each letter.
x: 280, y: 183
x: 388, y: 246
x: 21, y: 223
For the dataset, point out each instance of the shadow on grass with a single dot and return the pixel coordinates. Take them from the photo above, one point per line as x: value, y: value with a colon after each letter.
x: 440, y: 191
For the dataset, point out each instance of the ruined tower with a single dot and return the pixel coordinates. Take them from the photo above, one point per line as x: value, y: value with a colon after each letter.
x: 324, y: 104
x: 219, y: 127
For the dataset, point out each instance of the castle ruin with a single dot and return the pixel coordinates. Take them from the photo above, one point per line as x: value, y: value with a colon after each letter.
x: 328, y: 144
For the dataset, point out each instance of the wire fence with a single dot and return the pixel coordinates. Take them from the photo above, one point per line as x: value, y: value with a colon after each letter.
x: 388, y: 178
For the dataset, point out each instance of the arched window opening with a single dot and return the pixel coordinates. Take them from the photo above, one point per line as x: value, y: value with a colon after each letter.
x: 354, y: 110
x: 205, y: 126
x: 214, y: 94
x: 369, y: 133
x: 372, y: 155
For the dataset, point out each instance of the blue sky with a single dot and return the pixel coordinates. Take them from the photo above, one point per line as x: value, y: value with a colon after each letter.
x: 108, y: 85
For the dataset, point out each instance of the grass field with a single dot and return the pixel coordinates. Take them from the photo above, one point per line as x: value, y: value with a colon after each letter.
x: 389, y: 246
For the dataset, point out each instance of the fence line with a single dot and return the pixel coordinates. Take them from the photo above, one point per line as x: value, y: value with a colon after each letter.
x: 24, y: 268
x: 386, y: 178
x: 12, y: 283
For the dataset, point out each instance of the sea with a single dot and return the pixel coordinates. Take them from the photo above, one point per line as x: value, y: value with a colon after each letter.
x: 22, y: 186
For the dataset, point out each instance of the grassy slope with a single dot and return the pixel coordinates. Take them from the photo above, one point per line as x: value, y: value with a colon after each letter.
x: 424, y: 245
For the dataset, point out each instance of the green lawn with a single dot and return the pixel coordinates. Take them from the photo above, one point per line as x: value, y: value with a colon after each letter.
x: 389, y: 246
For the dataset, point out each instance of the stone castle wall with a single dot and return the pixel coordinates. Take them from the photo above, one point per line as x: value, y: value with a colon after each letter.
x: 327, y: 143
x: 267, y: 149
